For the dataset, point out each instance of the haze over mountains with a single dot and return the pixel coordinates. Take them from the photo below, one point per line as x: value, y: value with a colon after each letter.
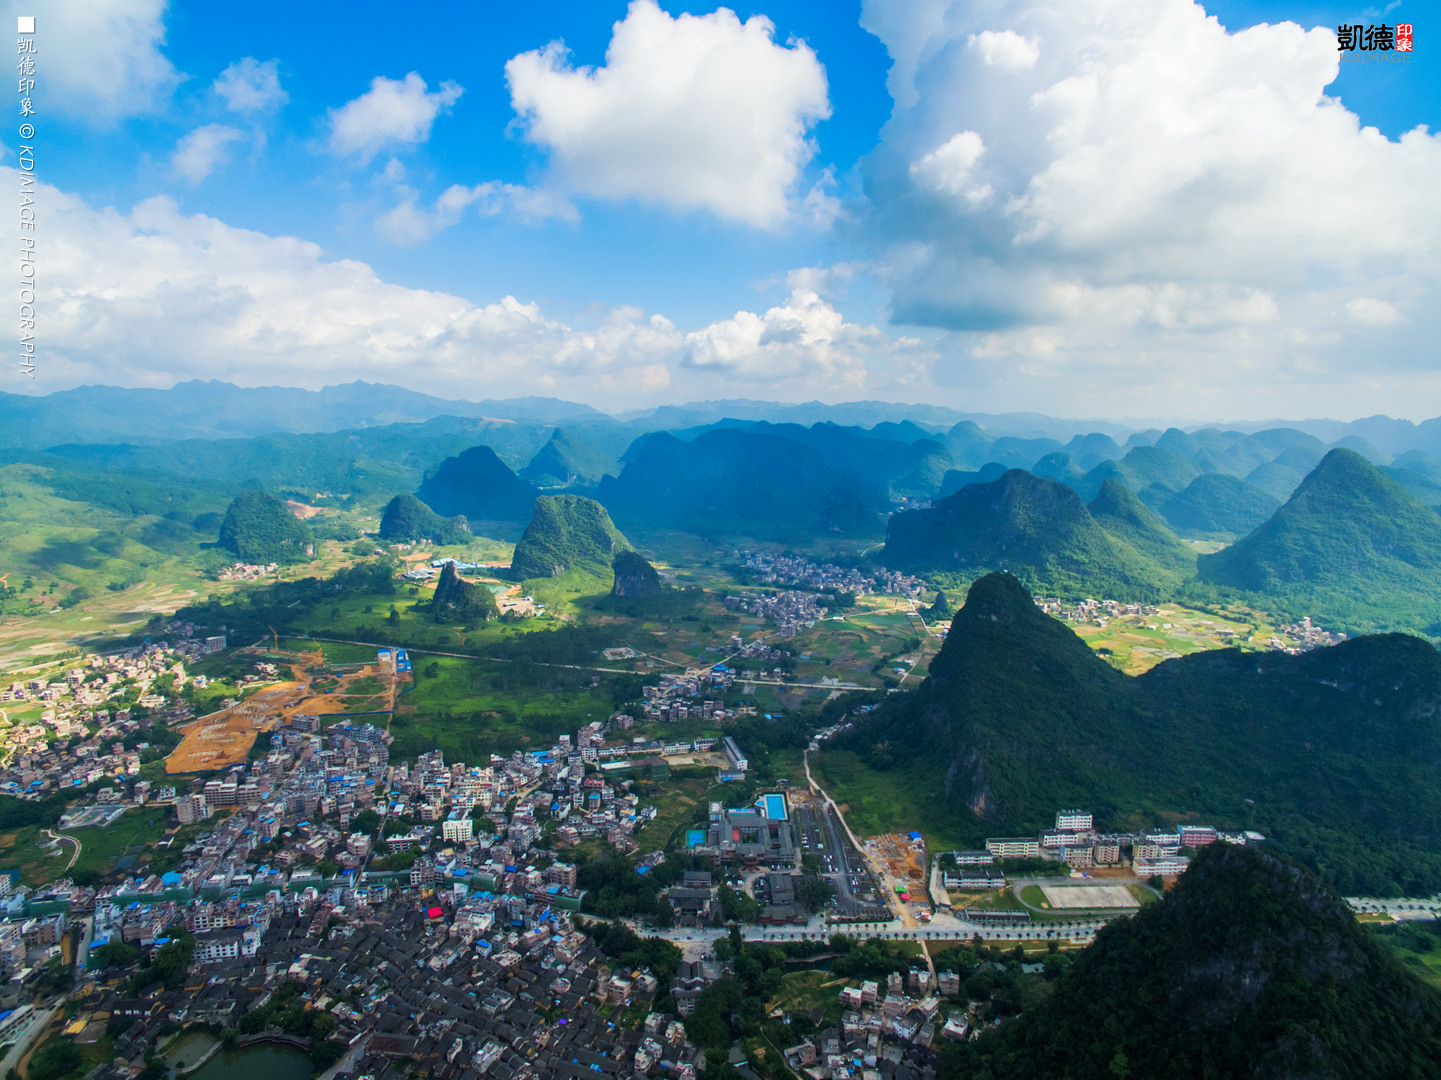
x: 1073, y: 506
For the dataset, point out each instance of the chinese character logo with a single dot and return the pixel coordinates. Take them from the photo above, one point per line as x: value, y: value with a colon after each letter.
x: 1378, y: 37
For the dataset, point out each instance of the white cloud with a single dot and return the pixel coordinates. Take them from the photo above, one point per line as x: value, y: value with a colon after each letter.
x: 695, y: 112
x: 1006, y: 49
x: 155, y: 295
x: 205, y: 149
x: 1368, y: 311
x: 393, y: 112
x: 409, y: 223
x: 803, y: 337
x: 99, y: 59
x: 1124, y: 190
x: 947, y: 168
x: 152, y: 296
x: 250, y: 86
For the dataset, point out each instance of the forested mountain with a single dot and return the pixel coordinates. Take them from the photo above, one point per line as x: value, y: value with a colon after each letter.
x: 407, y: 519
x: 1248, y: 967
x: 1349, y: 536
x: 1216, y: 503
x: 1041, y: 529
x: 259, y: 528
x: 729, y: 481
x: 479, y: 486
x: 367, y: 462
x: 567, y: 534
x: 1331, y: 752
x: 570, y: 459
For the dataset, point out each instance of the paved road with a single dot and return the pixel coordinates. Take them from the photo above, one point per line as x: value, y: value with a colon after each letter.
x: 38, y: 1024
x: 887, y: 897
x: 68, y: 839
x: 809, y: 685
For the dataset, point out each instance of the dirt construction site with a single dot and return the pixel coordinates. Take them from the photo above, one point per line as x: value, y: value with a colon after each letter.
x: 224, y: 738
x: 902, y: 862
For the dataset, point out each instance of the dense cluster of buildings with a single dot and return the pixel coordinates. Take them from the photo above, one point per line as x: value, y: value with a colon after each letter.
x: 889, y: 1028
x: 246, y: 571
x: 1304, y: 637
x: 789, y: 609
x: 414, y: 980
x: 1092, y: 612
x: 769, y: 569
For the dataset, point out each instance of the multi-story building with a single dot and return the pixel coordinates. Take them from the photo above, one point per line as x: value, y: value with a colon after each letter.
x: 1014, y: 847
x: 1074, y: 821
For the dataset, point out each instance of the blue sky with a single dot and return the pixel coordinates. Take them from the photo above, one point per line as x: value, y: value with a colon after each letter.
x: 1115, y: 208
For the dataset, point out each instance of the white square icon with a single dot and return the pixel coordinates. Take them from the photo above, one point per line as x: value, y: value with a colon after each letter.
x: 26, y: 24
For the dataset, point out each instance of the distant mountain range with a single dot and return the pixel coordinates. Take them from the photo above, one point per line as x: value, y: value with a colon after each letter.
x: 211, y: 409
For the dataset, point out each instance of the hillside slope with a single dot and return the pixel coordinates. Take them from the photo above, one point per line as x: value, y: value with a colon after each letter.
x: 1249, y: 967
x: 567, y: 533
x: 1038, y: 528
x: 1349, y: 536
x: 479, y: 486
x: 1331, y: 752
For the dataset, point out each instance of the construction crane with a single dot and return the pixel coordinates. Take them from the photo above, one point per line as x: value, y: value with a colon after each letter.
x: 276, y: 638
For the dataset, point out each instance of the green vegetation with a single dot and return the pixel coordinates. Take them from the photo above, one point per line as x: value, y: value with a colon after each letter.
x: 567, y: 533
x: 1322, y: 752
x: 635, y: 578
x: 1249, y: 967
x: 408, y: 519
x: 259, y: 528
x: 1040, y: 528
x: 1214, y: 503
x: 1350, y: 542
x: 477, y: 485
x: 457, y: 601
x: 569, y: 459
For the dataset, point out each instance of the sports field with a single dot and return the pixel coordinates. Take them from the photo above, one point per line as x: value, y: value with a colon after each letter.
x: 1089, y: 896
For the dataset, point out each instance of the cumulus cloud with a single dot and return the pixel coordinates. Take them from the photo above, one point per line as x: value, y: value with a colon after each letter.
x: 393, y: 112
x: 250, y: 86
x: 1127, y: 189
x: 101, y: 59
x: 205, y: 149
x: 153, y: 295
x: 1006, y: 49
x: 803, y: 337
x: 694, y: 112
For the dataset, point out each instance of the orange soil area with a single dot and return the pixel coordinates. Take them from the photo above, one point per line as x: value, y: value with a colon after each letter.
x: 225, y: 738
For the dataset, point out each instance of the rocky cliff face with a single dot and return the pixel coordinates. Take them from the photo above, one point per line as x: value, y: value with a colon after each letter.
x: 635, y: 578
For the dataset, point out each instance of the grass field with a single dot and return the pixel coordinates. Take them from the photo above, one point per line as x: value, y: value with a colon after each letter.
x: 876, y: 802
x: 676, y: 806
x: 18, y: 851
x: 1136, y: 643
x: 807, y: 991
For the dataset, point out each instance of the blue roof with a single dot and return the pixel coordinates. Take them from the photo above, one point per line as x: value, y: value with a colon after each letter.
x: 915, y: 836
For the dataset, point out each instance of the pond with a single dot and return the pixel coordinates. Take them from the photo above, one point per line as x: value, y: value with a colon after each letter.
x: 274, y: 1061
x: 189, y: 1049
